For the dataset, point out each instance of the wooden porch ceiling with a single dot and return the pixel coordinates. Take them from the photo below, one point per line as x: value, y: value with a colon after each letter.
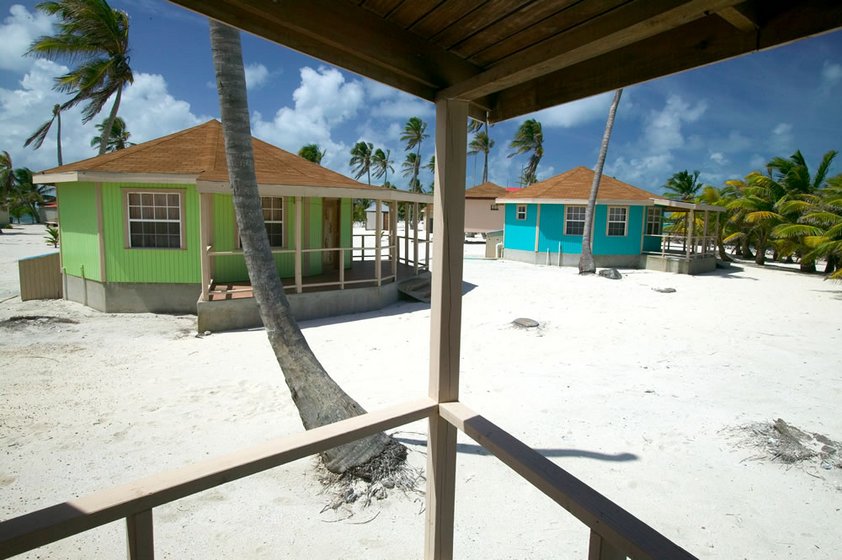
x: 512, y: 57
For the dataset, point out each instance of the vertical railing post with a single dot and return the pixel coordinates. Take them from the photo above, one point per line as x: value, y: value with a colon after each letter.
x: 140, y: 538
x: 600, y: 549
x: 393, y: 243
x: 341, y: 269
x: 204, y: 243
x: 298, y: 227
x: 415, y: 208
x: 445, y: 322
x: 406, y: 233
x: 427, y: 223
x: 378, y: 241
x: 691, y: 222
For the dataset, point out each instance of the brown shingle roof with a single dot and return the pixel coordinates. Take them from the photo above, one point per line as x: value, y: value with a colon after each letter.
x: 486, y: 190
x: 576, y: 185
x: 200, y: 151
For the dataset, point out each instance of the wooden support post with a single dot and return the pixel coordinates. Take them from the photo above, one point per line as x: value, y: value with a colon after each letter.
x: 204, y: 243
x: 691, y: 221
x: 341, y: 269
x: 378, y: 241
x: 393, y: 237
x: 415, y: 213
x: 140, y: 537
x: 298, y: 237
x: 445, y: 321
x: 705, y: 242
x: 406, y: 213
x: 600, y: 549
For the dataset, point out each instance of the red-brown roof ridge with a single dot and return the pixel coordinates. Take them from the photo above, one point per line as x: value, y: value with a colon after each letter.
x: 486, y: 190
x: 575, y: 184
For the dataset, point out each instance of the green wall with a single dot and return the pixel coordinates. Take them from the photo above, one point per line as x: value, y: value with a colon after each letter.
x: 78, y: 230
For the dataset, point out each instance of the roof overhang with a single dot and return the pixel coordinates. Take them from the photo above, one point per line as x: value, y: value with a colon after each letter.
x: 573, y: 201
x: 106, y: 177
x: 678, y: 206
x: 508, y: 60
x: 320, y: 192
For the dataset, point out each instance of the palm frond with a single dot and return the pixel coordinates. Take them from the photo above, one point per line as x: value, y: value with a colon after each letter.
x: 790, y: 231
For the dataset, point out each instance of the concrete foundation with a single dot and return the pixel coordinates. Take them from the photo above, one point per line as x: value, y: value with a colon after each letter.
x: 226, y: 315
x: 698, y: 264
x: 571, y: 259
x: 118, y: 297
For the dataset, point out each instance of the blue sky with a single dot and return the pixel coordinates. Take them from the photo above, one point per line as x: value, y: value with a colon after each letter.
x: 723, y: 120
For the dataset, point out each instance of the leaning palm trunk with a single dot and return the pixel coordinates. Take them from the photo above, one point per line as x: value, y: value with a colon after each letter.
x: 108, y: 125
x: 319, y: 399
x: 586, y: 262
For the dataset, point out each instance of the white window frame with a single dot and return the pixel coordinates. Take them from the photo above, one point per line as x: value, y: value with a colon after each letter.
x: 567, y: 220
x: 268, y: 221
x: 494, y: 207
x: 609, y: 221
x: 654, y: 220
x: 156, y: 217
x: 520, y: 212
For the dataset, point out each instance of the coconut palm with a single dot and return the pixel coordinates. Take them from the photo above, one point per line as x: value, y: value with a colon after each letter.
x: 431, y: 167
x: 382, y: 163
x: 827, y: 214
x: 410, y: 167
x: 683, y: 186
x: 414, y: 133
x: 39, y: 135
x: 7, y: 180
x: 26, y: 196
x: 96, y: 36
x: 586, y: 262
x: 756, y: 208
x: 318, y: 398
x: 481, y: 144
x: 529, y: 138
x: 119, y: 139
x: 312, y: 152
x: 360, y: 161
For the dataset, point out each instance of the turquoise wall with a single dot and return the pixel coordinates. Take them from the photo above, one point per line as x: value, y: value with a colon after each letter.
x: 520, y: 234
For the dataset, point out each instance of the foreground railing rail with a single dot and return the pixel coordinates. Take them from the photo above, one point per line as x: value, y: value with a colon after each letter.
x: 615, y: 534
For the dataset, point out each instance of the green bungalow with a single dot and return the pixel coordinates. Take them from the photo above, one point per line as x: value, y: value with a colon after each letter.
x: 151, y: 229
x: 545, y: 221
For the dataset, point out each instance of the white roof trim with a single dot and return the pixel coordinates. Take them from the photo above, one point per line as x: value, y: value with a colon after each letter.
x: 573, y: 201
x: 109, y: 177
x: 320, y: 192
x: 679, y: 205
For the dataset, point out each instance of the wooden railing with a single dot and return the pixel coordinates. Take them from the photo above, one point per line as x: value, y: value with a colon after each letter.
x: 614, y: 533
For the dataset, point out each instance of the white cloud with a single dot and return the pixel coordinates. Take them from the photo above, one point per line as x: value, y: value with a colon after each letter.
x: 831, y: 75
x: 323, y: 99
x: 18, y: 31
x: 663, y: 129
x: 718, y: 158
x: 256, y: 75
x: 782, y: 140
x: 575, y: 113
x: 150, y: 111
x: 644, y: 171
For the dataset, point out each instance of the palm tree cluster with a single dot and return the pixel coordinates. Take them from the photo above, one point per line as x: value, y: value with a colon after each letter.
x: 18, y: 194
x: 788, y: 210
x: 95, y: 37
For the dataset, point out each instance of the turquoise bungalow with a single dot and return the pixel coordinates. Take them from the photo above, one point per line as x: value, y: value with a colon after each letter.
x: 151, y: 229
x: 545, y: 221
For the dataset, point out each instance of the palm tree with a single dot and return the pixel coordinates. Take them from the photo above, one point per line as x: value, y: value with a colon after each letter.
x: 827, y: 214
x: 586, y: 262
x: 756, y: 208
x: 431, y: 167
x: 411, y: 167
x: 382, y: 163
x: 7, y: 180
x: 481, y: 143
x: 97, y: 36
x: 39, y: 135
x: 361, y: 155
x: 26, y: 195
x: 312, y: 152
x: 719, y: 197
x: 683, y: 186
x: 529, y: 138
x: 119, y: 139
x: 414, y: 132
x: 317, y: 396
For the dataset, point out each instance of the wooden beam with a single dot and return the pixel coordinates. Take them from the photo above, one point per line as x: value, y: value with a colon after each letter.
x: 738, y: 19
x: 348, y: 36
x: 600, y: 549
x: 445, y: 321
x: 41, y: 527
x: 615, y: 525
x: 633, y: 22
x: 702, y: 42
x: 139, y: 536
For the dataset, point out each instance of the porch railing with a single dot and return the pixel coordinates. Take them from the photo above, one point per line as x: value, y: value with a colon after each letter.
x: 614, y: 532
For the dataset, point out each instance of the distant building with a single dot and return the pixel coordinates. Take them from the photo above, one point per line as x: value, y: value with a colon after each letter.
x: 482, y: 212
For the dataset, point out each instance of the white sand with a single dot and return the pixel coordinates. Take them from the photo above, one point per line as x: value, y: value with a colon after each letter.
x: 634, y: 391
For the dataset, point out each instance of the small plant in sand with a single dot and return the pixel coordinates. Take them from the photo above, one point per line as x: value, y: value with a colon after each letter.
x: 51, y: 238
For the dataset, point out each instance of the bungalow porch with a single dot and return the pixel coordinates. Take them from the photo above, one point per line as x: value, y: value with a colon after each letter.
x: 689, y: 245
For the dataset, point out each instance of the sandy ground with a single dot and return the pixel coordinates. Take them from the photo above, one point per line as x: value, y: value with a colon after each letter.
x: 639, y: 393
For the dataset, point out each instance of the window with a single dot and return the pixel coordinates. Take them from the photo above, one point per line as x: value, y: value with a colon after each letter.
x: 154, y: 220
x: 617, y: 218
x: 494, y: 207
x: 653, y: 221
x: 520, y: 214
x: 574, y: 220
x: 273, y: 215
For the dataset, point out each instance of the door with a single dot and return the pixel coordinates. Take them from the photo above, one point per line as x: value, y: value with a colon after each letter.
x: 330, y: 233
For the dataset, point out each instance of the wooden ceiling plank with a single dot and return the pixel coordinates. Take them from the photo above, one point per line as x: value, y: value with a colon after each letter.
x: 444, y: 15
x: 381, y: 7
x: 621, y: 27
x: 408, y: 13
x: 524, y: 19
x: 563, y: 21
x: 738, y: 19
x: 690, y: 46
x: 358, y: 40
x: 477, y: 20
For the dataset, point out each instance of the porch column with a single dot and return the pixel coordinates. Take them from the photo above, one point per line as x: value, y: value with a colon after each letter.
x: 393, y: 237
x: 406, y: 232
x: 691, y: 222
x: 205, y: 242
x: 298, y: 214
x: 427, y: 209
x: 705, y: 242
x: 415, y: 209
x: 445, y: 321
x: 378, y: 242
